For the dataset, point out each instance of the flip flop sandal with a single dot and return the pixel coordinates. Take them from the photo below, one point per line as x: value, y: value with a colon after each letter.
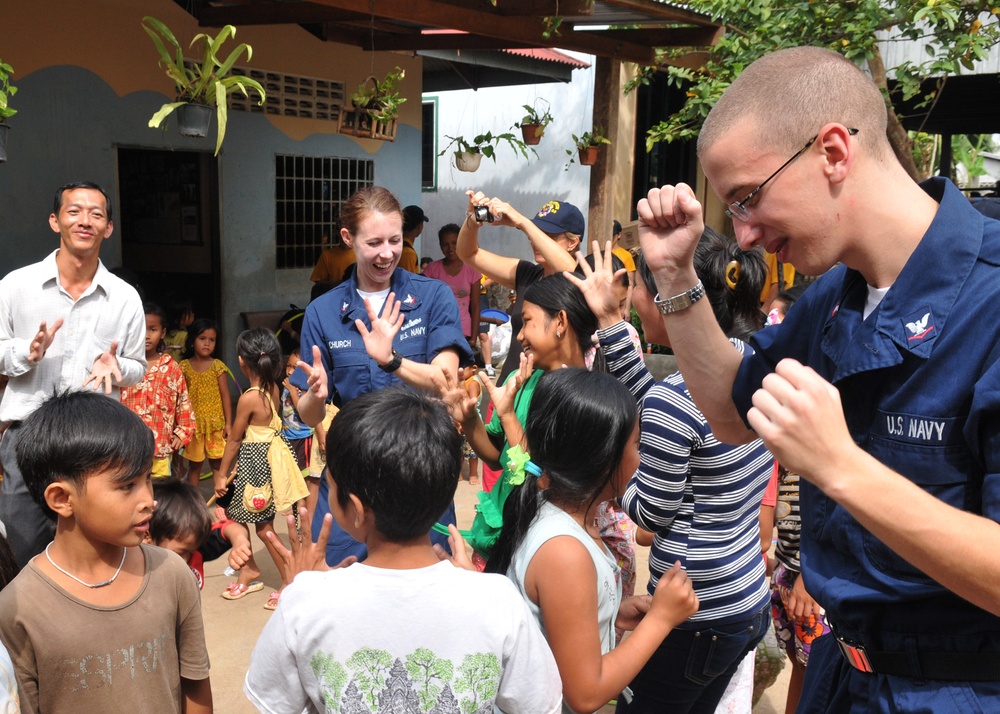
x: 235, y: 591
x: 272, y: 601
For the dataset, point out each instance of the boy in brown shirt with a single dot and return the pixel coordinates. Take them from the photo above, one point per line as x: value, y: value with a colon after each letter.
x: 100, y: 622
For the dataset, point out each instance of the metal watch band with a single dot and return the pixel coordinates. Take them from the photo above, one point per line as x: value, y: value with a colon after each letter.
x: 393, y: 364
x: 680, y: 302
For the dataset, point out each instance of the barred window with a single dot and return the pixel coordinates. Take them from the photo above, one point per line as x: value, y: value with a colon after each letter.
x: 309, y: 192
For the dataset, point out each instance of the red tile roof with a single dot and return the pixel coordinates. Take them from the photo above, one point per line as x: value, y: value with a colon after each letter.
x: 549, y: 55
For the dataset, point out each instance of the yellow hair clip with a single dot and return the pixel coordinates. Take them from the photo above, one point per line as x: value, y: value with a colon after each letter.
x: 732, y: 274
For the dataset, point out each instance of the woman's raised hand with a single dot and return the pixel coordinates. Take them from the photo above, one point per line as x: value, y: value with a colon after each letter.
x: 316, y: 377
x: 503, y: 213
x: 378, y: 340
x: 597, y: 285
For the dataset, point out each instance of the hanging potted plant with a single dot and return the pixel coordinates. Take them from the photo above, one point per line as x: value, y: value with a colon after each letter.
x: 469, y: 153
x: 586, y: 146
x: 533, y: 124
x: 7, y: 90
x: 375, y: 108
x: 200, y: 87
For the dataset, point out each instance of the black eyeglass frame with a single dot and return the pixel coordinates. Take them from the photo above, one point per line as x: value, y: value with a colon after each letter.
x: 737, y: 210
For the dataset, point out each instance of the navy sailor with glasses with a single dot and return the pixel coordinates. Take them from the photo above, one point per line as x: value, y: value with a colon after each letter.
x: 881, y: 388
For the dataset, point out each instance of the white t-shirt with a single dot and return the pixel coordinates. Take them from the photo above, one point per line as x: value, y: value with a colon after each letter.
x: 402, y: 640
x: 376, y: 299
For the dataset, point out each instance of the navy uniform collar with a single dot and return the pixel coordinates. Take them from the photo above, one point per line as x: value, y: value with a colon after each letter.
x: 917, y: 306
x: 352, y: 305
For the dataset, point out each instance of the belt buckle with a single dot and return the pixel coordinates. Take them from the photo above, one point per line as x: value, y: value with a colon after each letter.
x: 854, y: 653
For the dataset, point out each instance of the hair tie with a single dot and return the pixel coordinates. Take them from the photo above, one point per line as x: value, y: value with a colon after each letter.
x: 519, y: 463
x: 732, y: 274
x: 263, y: 354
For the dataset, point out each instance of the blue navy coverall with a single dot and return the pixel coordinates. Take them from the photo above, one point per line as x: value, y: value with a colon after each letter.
x: 431, y: 324
x: 920, y: 385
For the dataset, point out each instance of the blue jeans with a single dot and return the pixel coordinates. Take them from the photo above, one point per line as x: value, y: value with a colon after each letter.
x: 690, y: 670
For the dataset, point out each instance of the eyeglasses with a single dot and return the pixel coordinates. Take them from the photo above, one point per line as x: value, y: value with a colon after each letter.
x: 738, y: 209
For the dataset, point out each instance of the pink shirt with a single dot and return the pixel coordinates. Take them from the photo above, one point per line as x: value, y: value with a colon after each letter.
x: 463, y: 285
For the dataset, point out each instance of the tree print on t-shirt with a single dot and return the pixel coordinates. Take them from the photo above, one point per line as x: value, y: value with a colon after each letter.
x: 371, y: 682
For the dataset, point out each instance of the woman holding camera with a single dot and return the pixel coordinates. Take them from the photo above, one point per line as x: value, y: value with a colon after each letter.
x: 554, y: 233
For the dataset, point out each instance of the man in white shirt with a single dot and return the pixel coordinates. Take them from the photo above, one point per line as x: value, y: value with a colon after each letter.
x: 66, y: 323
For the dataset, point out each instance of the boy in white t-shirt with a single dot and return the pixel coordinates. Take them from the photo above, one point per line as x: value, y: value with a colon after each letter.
x: 402, y: 631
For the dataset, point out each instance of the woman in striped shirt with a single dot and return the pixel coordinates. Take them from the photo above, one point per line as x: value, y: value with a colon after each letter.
x: 700, y: 497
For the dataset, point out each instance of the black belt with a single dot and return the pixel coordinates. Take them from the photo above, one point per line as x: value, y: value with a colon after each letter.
x: 945, y: 666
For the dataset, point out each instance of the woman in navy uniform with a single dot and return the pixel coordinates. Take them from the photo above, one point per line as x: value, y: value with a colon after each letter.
x: 381, y: 325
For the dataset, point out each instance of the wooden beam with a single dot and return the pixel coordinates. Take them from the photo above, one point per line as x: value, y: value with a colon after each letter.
x: 270, y: 13
x: 414, y: 43
x: 432, y: 13
x: 607, y: 94
x: 702, y: 36
x: 541, y: 8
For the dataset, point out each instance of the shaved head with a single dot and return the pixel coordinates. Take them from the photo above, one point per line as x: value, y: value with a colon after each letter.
x: 792, y: 93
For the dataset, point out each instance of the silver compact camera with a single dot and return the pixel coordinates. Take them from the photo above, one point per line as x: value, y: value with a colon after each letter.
x: 482, y: 214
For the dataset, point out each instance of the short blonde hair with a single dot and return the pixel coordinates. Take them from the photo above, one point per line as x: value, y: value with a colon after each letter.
x: 791, y: 93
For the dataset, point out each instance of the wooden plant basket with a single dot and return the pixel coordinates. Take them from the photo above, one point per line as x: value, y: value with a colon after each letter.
x: 358, y: 122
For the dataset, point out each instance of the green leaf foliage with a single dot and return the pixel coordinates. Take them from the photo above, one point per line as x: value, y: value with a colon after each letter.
x: 958, y: 33
x: 208, y: 82
x: 7, y: 90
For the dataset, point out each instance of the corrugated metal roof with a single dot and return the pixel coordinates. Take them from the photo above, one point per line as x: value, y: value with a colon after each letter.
x: 548, y: 55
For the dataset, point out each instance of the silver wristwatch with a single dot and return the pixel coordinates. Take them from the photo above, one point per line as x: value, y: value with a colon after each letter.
x: 680, y: 302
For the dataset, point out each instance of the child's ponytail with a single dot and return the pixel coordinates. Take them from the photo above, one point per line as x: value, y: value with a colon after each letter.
x: 260, y: 352
x: 518, y: 513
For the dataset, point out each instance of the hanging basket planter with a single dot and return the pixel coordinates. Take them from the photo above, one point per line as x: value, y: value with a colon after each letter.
x: 374, y: 108
x: 467, y: 161
x: 4, y: 129
x: 532, y: 133
x: 194, y: 120
x: 358, y: 122
x: 588, y: 156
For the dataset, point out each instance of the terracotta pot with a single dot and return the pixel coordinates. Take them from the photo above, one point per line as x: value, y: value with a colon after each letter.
x: 194, y: 119
x: 4, y: 128
x: 465, y: 161
x: 588, y: 156
x: 532, y: 133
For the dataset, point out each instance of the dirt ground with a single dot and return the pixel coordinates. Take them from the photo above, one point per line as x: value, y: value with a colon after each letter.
x: 232, y: 627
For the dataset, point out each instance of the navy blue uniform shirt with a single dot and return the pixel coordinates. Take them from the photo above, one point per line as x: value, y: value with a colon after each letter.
x: 920, y: 384
x: 431, y: 324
